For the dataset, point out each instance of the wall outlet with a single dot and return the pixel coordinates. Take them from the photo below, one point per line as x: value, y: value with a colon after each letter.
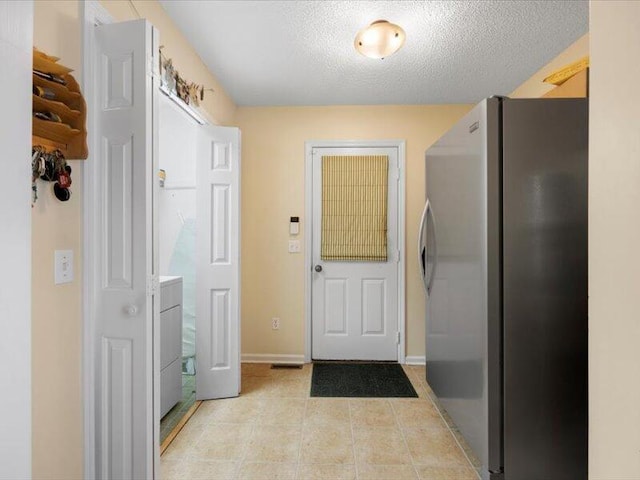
x: 294, y: 246
x: 275, y: 323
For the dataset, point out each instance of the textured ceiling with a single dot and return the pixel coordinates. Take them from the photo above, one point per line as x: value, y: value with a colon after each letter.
x: 301, y: 52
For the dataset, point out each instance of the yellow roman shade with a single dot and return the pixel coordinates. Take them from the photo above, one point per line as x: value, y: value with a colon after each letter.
x: 354, y: 208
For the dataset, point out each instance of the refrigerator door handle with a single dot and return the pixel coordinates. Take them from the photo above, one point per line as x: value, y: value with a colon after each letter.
x: 434, y: 249
x: 422, y: 247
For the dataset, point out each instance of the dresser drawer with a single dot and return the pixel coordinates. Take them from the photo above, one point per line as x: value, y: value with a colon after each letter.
x: 170, y: 294
x: 170, y: 335
x: 170, y: 386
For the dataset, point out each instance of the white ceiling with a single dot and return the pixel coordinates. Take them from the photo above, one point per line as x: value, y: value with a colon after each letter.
x: 301, y: 52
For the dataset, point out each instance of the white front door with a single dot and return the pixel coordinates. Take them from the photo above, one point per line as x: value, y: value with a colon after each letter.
x: 218, y: 263
x: 123, y: 276
x: 355, y: 303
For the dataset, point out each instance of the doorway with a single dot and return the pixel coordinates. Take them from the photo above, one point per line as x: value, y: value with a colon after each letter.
x: 354, y: 245
x: 123, y: 297
x: 177, y: 213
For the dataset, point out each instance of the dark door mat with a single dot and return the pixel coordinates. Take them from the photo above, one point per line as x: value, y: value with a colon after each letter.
x: 360, y: 380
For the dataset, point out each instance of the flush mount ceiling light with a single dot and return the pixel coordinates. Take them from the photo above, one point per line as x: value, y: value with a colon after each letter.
x: 379, y: 40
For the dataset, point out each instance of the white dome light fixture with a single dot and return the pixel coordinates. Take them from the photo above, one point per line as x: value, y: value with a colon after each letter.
x: 379, y: 40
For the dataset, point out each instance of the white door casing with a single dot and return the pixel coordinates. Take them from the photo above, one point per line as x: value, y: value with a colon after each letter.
x: 355, y: 304
x: 16, y: 40
x: 124, y: 280
x: 218, y: 263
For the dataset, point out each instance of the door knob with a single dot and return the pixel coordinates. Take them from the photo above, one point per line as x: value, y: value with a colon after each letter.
x: 131, y: 310
x: 318, y: 268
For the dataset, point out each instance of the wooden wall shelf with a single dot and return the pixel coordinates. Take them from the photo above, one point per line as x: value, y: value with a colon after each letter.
x: 69, y: 135
x: 63, y: 94
x: 66, y: 114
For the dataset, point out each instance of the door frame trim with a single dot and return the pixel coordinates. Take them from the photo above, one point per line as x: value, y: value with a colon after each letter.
x: 308, y: 230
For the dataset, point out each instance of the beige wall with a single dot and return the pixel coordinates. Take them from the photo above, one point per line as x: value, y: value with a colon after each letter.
x: 273, y: 190
x: 534, y: 87
x: 614, y: 240
x: 57, y: 309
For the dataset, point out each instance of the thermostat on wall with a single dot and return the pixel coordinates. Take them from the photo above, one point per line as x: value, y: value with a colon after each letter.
x: 294, y: 225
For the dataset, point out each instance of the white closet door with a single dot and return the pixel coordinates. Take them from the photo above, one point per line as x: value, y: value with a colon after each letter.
x: 126, y: 282
x: 218, y: 263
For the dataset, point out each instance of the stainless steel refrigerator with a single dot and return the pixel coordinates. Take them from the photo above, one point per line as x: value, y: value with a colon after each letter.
x: 503, y: 252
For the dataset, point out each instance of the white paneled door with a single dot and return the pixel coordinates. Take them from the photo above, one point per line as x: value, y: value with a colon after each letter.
x: 355, y: 303
x: 218, y: 263
x: 125, y: 280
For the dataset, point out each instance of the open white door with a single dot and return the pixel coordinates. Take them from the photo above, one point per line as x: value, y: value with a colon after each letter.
x: 125, y: 283
x: 218, y: 263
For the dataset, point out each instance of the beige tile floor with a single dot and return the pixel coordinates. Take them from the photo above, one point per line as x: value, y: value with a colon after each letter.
x: 275, y: 431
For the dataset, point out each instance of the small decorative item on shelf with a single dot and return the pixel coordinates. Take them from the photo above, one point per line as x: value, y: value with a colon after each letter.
x: 59, y: 110
x: 168, y: 73
x: 50, y: 167
x: 560, y: 76
x: 189, y: 92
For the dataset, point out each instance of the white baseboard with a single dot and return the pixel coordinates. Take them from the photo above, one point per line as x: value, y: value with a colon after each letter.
x: 299, y: 359
x: 271, y: 358
x: 416, y: 360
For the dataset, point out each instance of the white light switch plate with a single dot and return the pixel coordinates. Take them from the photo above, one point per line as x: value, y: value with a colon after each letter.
x: 63, y: 269
x: 294, y: 246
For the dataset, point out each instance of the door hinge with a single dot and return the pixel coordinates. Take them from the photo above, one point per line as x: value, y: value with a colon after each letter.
x: 153, y: 285
x: 397, y: 256
x: 153, y: 66
x: 398, y: 338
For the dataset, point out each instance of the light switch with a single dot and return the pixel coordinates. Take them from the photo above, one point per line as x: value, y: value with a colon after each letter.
x: 63, y: 266
x: 294, y: 246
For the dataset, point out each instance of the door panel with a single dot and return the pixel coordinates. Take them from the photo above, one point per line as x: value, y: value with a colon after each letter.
x: 126, y: 300
x: 354, y: 303
x: 545, y: 288
x: 335, y: 304
x: 117, y: 386
x: 457, y: 308
x: 374, y: 318
x: 118, y: 200
x: 218, y: 264
x: 220, y: 219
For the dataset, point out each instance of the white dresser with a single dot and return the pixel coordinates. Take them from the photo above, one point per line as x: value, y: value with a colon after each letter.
x: 170, y: 343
